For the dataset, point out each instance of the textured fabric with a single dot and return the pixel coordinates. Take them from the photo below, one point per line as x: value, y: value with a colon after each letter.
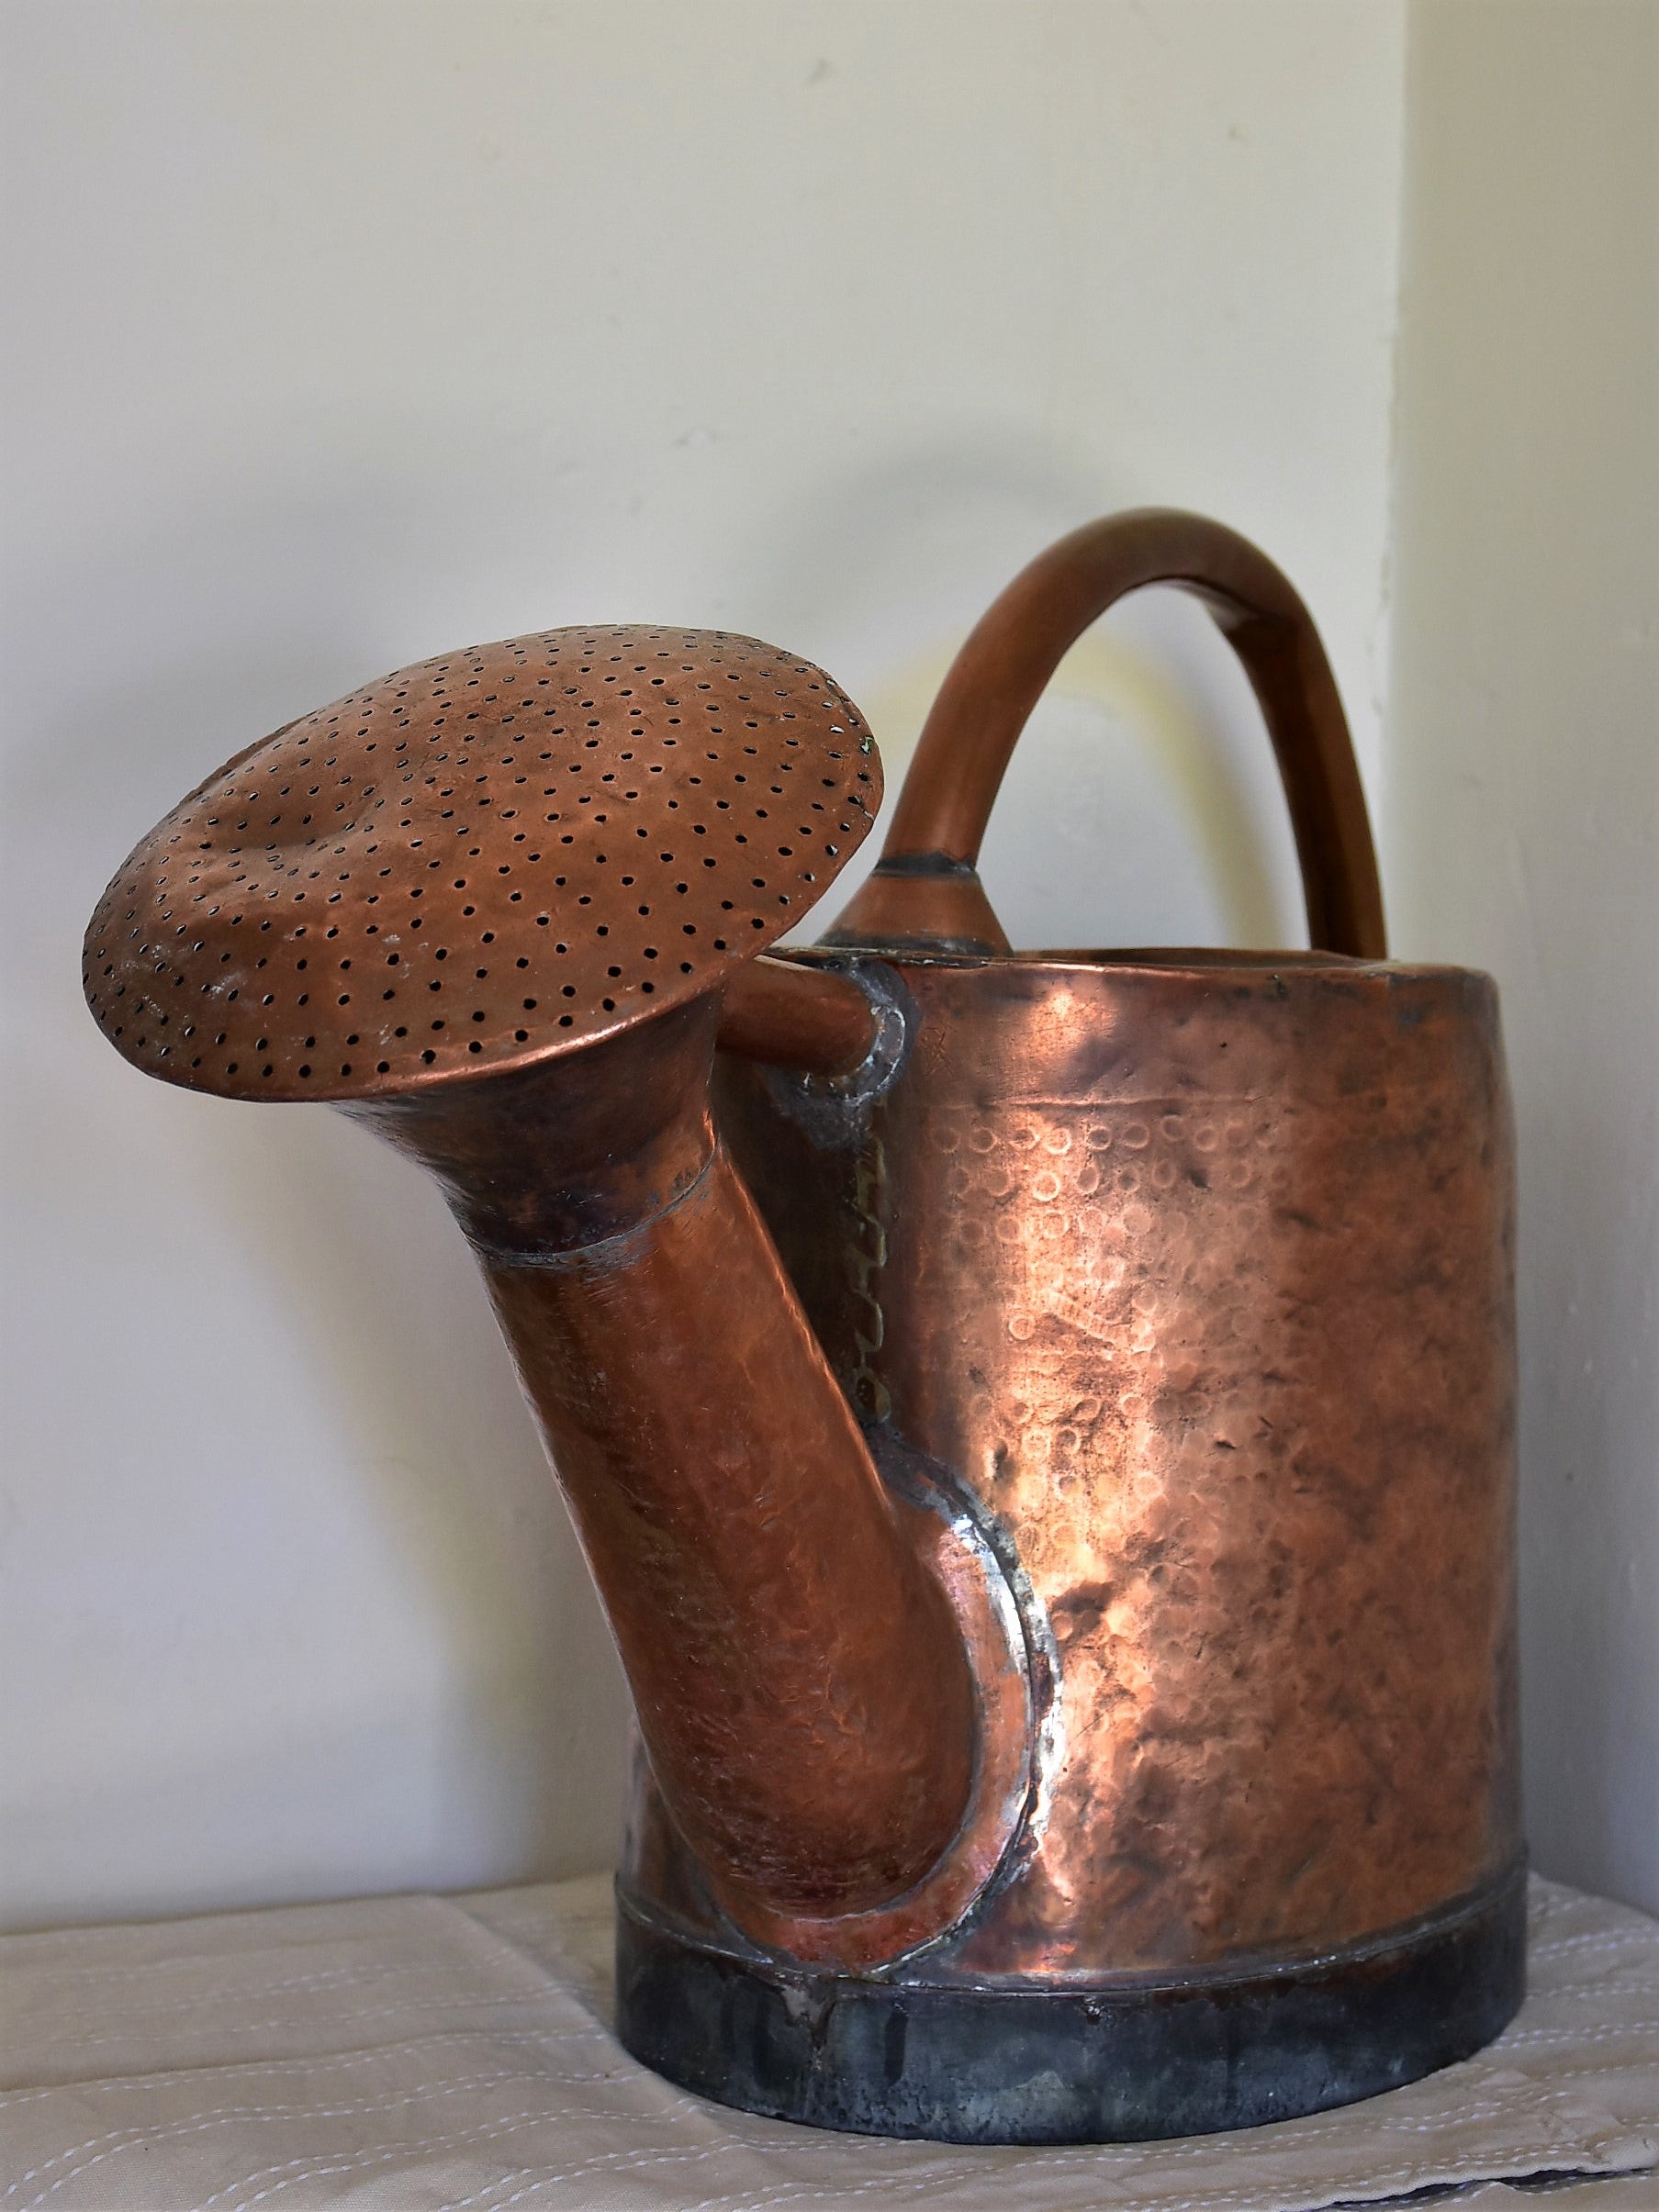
x: 418, y: 2052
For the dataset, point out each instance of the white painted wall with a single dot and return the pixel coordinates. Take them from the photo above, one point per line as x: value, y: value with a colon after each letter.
x: 1522, y: 815
x: 345, y: 333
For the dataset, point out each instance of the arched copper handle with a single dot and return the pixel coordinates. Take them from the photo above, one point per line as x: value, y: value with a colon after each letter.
x: 925, y: 889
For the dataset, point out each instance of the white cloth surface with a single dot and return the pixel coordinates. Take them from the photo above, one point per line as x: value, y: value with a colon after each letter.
x: 415, y: 2052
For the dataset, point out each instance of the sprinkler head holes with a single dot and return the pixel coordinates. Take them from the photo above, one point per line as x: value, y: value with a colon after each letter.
x: 480, y: 862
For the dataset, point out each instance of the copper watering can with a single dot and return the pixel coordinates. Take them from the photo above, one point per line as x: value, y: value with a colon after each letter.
x: 1041, y: 1424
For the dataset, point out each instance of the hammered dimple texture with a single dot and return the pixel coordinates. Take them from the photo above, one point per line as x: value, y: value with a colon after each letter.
x: 479, y: 861
x: 1198, y: 1278
x: 1236, y: 1380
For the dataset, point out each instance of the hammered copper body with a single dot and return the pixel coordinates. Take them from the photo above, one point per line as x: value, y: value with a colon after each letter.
x: 1197, y: 1276
x: 1194, y: 1271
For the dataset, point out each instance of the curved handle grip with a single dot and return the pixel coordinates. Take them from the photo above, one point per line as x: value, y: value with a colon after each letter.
x: 926, y: 889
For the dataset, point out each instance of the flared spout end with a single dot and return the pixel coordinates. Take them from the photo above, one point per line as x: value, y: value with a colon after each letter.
x: 495, y: 857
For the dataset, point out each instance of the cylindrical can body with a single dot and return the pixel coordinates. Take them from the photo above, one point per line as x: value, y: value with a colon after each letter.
x: 1195, y: 1273
x: 1201, y: 1279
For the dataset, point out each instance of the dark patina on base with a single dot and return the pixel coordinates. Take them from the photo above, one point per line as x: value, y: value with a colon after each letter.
x: 1120, y: 2061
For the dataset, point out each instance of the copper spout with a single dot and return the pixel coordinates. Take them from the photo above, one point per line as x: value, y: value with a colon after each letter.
x: 493, y: 907
x: 798, y: 1676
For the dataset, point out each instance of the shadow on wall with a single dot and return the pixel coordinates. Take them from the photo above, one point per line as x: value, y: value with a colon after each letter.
x: 1142, y: 805
x: 1523, y: 822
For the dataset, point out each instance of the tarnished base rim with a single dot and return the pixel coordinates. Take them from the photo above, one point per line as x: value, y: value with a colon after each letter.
x: 1068, y: 2066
